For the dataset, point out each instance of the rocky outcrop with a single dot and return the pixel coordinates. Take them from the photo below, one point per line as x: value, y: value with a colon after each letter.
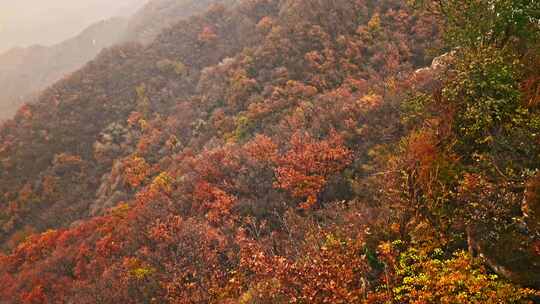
x: 114, y: 141
x: 110, y: 193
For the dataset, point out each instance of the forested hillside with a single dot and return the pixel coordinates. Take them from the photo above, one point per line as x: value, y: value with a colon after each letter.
x: 24, y: 72
x: 286, y: 151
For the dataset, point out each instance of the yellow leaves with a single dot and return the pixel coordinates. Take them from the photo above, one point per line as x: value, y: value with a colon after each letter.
x: 143, y: 102
x: 385, y: 248
x: 171, y: 66
x: 120, y: 211
x: 246, y: 297
x: 143, y: 124
x: 162, y: 183
x: 137, y: 269
x: 374, y: 23
x: 240, y: 88
x: 141, y: 273
x: 332, y: 241
x: 369, y: 102
x: 243, y: 126
x: 429, y: 279
x: 134, y: 119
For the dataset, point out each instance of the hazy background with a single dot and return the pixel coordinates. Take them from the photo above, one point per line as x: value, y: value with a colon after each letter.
x: 28, y: 22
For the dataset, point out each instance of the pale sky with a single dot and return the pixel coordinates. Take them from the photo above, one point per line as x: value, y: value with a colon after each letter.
x: 26, y: 22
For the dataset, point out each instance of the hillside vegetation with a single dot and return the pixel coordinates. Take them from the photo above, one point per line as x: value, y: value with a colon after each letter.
x: 286, y: 151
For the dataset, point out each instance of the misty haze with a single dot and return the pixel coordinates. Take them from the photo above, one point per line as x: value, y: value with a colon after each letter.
x: 46, y: 22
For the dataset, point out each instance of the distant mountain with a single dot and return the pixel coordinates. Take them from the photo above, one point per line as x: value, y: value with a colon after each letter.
x: 156, y: 15
x: 25, y: 23
x: 24, y: 72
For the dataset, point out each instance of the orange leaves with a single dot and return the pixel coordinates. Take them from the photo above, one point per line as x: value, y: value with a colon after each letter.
x: 420, y: 155
x: 314, y: 156
x: 332, y: 272
x: 300, y: 185
x: 67, y: 159
x: 262, y: 149
x: 530, y: 86
x: 421, y: 147
x: 305, y: 168
x: 136, y: 170
x: 298, y: 89
x: 26, y: 193
x: 369, y: 102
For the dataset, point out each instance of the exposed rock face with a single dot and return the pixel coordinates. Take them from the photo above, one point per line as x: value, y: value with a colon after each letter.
x: 115, y: 140
x: 427, y: 78
x: 110, y: 193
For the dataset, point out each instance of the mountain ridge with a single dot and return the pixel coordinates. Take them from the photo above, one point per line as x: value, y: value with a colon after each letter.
x: 24, y: 72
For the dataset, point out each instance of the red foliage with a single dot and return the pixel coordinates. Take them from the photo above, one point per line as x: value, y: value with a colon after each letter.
x: 136, y: 170
x: 306, y: 167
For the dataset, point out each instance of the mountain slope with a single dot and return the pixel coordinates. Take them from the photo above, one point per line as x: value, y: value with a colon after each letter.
x: 266, y: 153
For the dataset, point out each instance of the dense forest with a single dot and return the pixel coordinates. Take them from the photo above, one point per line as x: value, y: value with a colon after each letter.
x: 286, y: 151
